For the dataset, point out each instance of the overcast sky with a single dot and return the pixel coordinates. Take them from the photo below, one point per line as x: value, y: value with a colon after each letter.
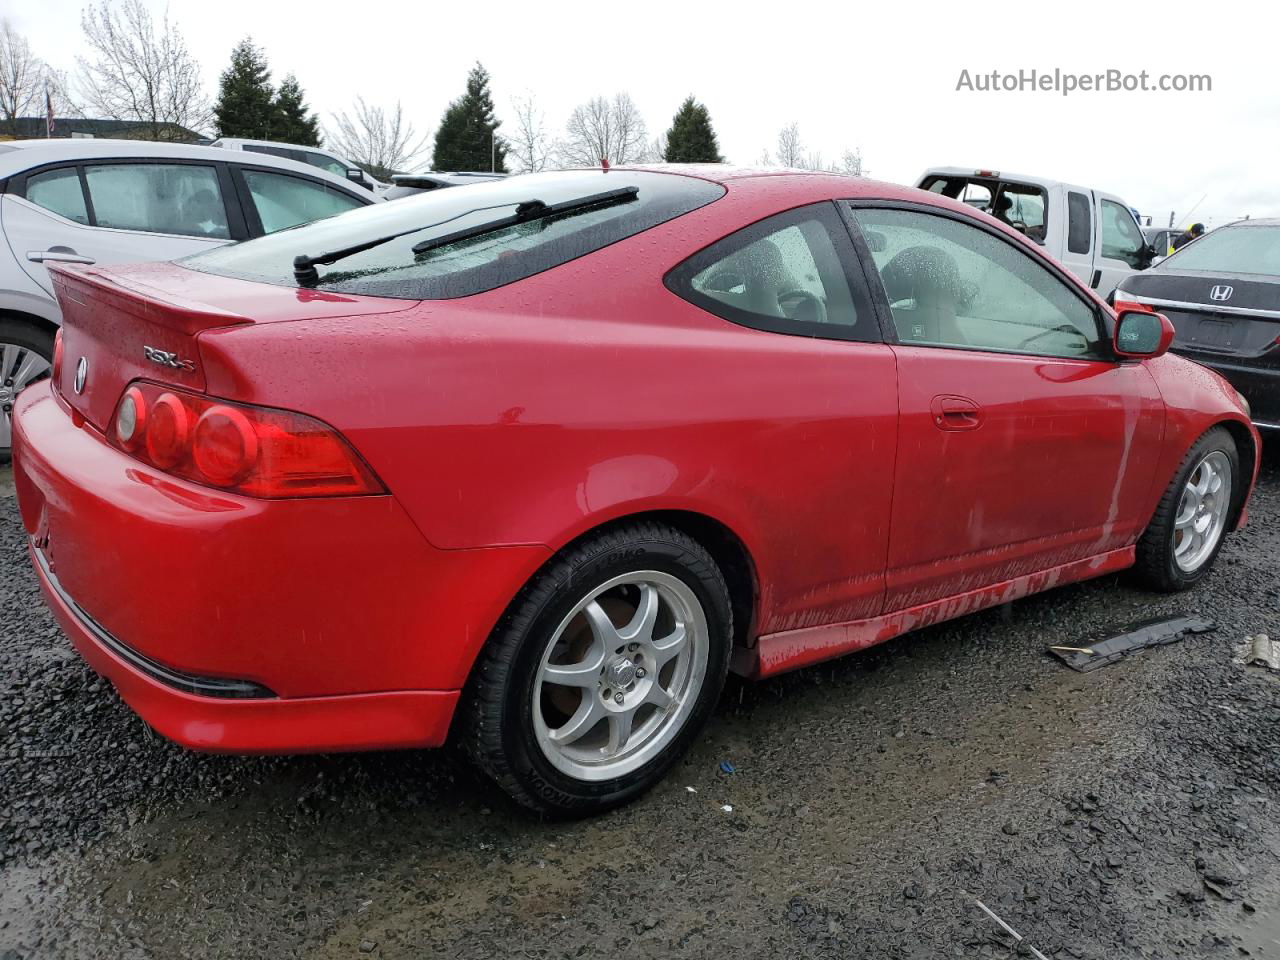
x: 881, y: 77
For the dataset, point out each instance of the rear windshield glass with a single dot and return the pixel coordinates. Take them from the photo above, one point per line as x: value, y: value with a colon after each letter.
x: 1231, y: 250
x: 474, y: 263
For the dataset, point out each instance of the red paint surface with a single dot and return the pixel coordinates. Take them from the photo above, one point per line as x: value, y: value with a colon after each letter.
x: 508, y: 423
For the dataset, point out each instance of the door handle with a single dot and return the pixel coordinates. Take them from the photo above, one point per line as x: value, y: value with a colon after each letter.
x: 955, y: 413
x: 57, y: 255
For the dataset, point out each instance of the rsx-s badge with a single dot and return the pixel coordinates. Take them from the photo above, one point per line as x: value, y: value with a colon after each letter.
x: 167, y: 359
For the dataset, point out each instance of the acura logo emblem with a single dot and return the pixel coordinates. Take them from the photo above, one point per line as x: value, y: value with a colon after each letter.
x: 1221, y: 292
x: 82, y: 372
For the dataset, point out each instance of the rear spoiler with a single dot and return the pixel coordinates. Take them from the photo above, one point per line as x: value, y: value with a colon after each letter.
x: 126, y: 291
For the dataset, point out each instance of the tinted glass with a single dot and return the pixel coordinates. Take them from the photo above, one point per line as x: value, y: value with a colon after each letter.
x: 283, y: 201
x: 1232, y: 250
x: 1121, y: 237
x: 159, y: 198
x: 325, y: 162
x: 460, y: 269
x: 60, y: 192
x: 784, y: 274
x: 952, y: 284
x: 1079, y: 223
x: 273, y: 151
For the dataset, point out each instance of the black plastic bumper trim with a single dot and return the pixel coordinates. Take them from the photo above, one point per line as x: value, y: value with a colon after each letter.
x: 220, y: 687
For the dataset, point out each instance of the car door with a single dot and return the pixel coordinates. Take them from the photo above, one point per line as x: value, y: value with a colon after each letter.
x: 1023, y: 442
x: 813, y: 366
x: 276, y: 200
x: 1122, y: 249
x: 116, y: 211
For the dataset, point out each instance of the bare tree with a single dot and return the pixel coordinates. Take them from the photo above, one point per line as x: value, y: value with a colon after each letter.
x: 531, y: 147
x: 656, y: 152
x: 851, y: 163
x: 21, y: 77
x: 381, y: 141
x: 790, y: 148
x: 25, y: 80
x: 140, y: 70
x: 603, y: 130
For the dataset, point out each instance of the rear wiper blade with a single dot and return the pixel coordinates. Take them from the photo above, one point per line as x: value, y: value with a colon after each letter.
x: 529, y: 211
x: 304, y: 267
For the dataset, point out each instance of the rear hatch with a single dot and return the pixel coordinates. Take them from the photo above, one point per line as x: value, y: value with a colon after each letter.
x: 1234, y: 317
x: 143, y: 321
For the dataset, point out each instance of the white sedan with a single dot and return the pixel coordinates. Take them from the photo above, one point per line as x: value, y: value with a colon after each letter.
x: 117, y: 201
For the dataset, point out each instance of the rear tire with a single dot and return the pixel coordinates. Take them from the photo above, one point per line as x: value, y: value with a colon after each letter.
x: 1184, y: 537
x: 602, y: 672
x: 26, y: 356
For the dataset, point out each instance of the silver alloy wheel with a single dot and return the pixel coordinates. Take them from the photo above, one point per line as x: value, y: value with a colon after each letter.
x: 1202, y: 512
x: 19, y: 367
x: 620, y: 675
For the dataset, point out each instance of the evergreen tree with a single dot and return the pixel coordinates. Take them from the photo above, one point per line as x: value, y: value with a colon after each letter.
x: 294, y: 122
x: 467, y: 139
x: 246, y: 102
x: 691, y: 138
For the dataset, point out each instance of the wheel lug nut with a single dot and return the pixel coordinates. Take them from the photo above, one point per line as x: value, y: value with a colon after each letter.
x: 640, y: 673
x: 617, y: 698
x: 633, y: 647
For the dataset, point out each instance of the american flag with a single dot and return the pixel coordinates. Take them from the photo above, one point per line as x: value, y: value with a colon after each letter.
x: 48, y: 112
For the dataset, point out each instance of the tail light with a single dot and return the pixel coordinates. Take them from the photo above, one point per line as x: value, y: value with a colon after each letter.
x: 57, y: 357
x: 254, y: 451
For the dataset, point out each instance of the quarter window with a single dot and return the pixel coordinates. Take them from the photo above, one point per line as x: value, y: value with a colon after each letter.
x: 1079, y: 223
x: 283, y: 201
x: 785, y: 274
x: 1121, y: 236
x: 59, y: 191
x: 950, y: 284
x: 175, y: 198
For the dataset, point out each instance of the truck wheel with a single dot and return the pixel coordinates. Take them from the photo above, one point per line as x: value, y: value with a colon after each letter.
x: 602, y: 672
x: 26, y: 356
x: 1190, y: 523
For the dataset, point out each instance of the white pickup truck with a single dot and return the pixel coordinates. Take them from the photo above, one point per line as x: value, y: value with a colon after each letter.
x: 1093, y: 234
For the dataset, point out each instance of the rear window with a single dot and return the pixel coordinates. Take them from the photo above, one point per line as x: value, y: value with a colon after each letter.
x: 1231, y: 250
x: 475, y: 263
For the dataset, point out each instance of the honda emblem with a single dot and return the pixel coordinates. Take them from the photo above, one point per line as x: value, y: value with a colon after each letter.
x: 1221, y: 292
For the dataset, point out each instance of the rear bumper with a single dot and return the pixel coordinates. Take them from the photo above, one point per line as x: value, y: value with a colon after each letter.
x: 373, y: 721
x: 246, y: 625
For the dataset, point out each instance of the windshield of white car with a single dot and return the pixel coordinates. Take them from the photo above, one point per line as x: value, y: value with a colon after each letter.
x: 467, y: 262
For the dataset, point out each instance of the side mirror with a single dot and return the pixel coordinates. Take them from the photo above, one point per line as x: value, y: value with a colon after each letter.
x: 355, y: 174
x: 1143, y: 334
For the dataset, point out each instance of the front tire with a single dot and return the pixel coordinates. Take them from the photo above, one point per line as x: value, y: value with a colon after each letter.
x: 603, y: 671
x: 1190, y: 523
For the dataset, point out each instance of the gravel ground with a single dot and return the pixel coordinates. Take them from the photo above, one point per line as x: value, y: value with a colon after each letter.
x: 1128, y: 812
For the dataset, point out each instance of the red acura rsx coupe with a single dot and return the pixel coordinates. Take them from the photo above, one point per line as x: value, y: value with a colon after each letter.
x: 534, y: 463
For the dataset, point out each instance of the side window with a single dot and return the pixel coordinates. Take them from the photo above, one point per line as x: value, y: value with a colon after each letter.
x: 176, y: 198
x: 325, y: 163
x: 951, y: 284
x: 59, y: 191
x: 785, y: 274
x: 274, y: 151
x: 284, y: 201
x: 1121, y: 236
x: 1079, y: 223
